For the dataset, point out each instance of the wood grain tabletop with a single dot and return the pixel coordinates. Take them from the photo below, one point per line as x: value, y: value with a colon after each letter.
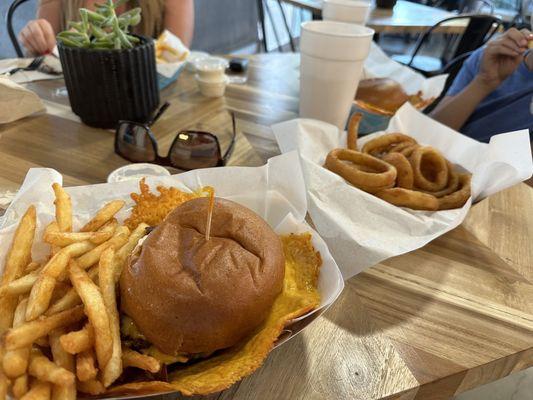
x: 426, y: 325
x: 405, y: 17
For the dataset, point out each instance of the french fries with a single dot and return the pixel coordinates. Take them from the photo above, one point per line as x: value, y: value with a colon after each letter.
x: 44, y: 304
x: 70, y: 299
x: 63, y: 239
x: 29, y: 332
x: 92, y: 387
x: 104, y: 215
x: 18, y: 257
x: 131, y: 358
x: 4, y: 385
x: 123, y: 253
x: 106, y: 278
x: 63, y: 208
x: 45, y: 370
x: 78, y: 341
x: 119, y: 239
x: 39, y: 391
x: 20, y: 386
x: 21, y: 285
x: 41, y: 292
x: 64, y: 360
x: 85, y: 366
x: 94, y: 307
x: 15, y: 362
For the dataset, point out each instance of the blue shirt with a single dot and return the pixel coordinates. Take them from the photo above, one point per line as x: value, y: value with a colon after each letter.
x: 508, y: 108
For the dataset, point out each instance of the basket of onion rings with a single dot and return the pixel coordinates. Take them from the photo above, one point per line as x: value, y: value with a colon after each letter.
x: 391, y: 192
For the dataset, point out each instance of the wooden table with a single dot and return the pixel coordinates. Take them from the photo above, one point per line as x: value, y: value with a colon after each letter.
x: 451, y: 316
x: 405, y: 17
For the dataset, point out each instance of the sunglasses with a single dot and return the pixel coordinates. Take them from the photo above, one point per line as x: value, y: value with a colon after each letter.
x: 190, y: 149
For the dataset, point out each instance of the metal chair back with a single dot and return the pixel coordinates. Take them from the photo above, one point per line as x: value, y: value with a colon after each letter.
x: 480, y: 28
x: 9, y: 23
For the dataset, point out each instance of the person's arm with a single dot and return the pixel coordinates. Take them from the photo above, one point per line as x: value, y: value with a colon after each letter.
x: 179, y: 19
x: 39, y: 35
x: 500, y: 59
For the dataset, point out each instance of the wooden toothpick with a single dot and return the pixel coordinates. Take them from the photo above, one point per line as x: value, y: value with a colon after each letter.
x: 209, y: 215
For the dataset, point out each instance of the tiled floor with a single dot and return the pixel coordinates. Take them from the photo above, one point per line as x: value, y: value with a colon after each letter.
x: 518, y: 386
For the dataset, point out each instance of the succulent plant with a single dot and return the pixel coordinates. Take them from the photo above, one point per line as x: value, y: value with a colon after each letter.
x: 103, y: 28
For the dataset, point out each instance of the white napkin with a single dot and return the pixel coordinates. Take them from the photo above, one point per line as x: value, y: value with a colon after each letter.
x: 17, y: 102
x: 361, y: 230
x: 29, y: 76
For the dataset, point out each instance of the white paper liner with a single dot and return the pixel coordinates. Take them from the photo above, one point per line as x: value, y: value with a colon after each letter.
x: 276, y: 191
x: 360, y: 229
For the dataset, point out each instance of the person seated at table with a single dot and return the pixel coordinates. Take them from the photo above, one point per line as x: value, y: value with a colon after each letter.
x: 39, y: 35
x: 493, y: 92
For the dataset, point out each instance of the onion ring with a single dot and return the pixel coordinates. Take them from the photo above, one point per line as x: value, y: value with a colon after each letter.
x: 404, y: 171
x: 384, y: 175
x: 451, y: 186
x: 381, y: 143
x: 353, y: 128
x: 409, y: 198
x: 458, y: 198
x: 407, y: 151
x: 429, y: 169
x: 399, y: 147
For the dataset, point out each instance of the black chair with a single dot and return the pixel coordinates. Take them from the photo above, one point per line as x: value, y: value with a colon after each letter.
x: 9, y: 23
x: 479, y: 29
x: 264, y: 11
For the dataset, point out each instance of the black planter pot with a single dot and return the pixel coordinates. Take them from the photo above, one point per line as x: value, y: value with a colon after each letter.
x: 105, y: 86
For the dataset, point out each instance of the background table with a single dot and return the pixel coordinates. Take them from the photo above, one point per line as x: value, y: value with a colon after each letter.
x: 405, y: 17
x: 451, y: 316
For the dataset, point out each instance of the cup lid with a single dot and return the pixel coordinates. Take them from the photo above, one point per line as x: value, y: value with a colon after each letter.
x: 211, y: 64
x: 136, y: 171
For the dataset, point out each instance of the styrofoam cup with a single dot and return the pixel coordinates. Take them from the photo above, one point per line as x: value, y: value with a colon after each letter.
x: 350, y: 11
x: 332, y: 57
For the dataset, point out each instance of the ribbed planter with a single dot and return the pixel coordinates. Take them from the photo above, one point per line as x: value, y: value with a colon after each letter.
x: 105, y: 86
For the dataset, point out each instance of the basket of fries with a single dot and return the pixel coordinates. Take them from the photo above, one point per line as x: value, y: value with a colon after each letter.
x: 70, y: 327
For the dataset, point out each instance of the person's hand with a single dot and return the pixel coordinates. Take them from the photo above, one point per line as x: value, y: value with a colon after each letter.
x: 502, y: 57
x: 38, y: 37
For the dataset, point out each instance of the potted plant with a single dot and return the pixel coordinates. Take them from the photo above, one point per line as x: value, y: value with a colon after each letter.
x: 110, y: 74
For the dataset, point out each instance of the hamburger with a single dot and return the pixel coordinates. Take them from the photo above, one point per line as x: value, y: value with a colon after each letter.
x: 385, y: 96
x: 189, y: 296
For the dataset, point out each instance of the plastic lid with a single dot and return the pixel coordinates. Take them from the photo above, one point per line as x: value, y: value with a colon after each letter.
x: 211, y: 64
x: 136, y: 171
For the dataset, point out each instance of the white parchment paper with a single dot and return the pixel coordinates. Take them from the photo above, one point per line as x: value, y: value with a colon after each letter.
x: 276, y: 191
x: 380, y: 65
x: 362, y: 230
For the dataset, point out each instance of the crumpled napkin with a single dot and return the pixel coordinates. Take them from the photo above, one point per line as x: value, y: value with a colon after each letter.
x: 17, y: 102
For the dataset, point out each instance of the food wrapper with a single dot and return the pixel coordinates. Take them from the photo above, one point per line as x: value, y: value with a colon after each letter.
x: 275, y: 191
x: 17, y: 102
x: 172, y: 54
x: 361, y: 229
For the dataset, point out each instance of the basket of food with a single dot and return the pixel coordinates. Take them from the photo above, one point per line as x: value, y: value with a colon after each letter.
x: 116, y: 290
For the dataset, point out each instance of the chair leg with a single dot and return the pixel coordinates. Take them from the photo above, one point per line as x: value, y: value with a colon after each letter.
x: 10, y: 31
x: 261, y: 12
x: 291, y: 40
x: 269, y: 13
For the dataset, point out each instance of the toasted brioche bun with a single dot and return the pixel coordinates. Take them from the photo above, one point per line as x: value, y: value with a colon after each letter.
x: 381, y: 95
x: 189, y: 295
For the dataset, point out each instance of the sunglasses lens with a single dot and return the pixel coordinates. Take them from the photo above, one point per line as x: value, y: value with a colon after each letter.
x: 133, y: 142
x: 193, y: 150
